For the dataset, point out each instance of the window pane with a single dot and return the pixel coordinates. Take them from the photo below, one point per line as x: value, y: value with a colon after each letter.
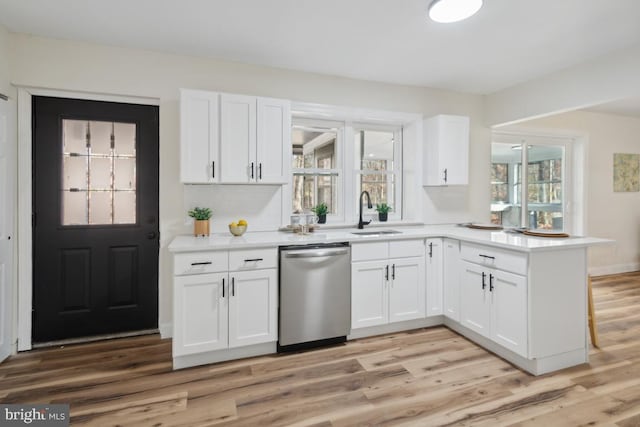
x: 379, y: 187
x: 90, y: 162
x: 314, y: 148
x: 309, y: 190
x: 374, y: 150
x: 505, y: 169
x: 544, y: 192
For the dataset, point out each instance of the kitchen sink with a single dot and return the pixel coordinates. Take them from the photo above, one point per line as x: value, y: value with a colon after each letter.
x: 375, y: 232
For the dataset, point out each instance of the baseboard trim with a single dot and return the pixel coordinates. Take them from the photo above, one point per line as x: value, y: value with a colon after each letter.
x: 614, y: 269
x: 395, y: 327
x: 166, y: 330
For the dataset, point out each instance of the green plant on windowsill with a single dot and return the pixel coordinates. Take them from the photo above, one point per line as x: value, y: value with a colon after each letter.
x: 200, y: 214
x: 320, y: 209
x: 383, y: 208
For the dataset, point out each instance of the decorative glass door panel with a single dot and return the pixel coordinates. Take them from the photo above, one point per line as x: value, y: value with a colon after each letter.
x: 99, y: 173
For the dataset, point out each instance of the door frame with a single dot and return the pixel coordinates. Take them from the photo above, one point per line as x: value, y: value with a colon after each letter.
x: 25, y: 196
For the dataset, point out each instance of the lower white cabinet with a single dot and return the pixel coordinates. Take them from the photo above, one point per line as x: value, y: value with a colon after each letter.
x: 493, y: 303
x: 451, y: 279
x: 389, y: 289
x: 226, y: 309
x: 434, y: 277
x: 253, y: 304
x: 200, y: 313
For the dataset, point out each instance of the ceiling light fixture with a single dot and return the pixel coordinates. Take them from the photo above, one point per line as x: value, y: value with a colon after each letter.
x: 446, y: 11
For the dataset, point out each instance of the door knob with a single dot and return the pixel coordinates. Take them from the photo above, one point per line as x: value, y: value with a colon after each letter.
x: 152, y: 235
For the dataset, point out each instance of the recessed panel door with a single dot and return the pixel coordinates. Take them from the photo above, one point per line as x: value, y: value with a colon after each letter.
x: 95, y: 223
x: 475, y: 298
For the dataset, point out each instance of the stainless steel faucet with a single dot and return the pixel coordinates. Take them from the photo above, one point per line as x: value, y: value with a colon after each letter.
x: 361, y: 223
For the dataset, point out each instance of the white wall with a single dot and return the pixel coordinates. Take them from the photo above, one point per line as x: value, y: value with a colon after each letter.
x: 4, y: 62
x: 607, y: 78
x: 94, y: 68
x: 608, y: 214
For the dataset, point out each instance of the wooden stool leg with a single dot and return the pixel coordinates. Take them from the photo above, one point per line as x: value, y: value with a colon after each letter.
x: 593, y: 328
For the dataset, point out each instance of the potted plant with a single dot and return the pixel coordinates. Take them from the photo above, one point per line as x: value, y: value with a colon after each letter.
x: 321, y: 210
x: 201, y: 218
x: 383, y: 211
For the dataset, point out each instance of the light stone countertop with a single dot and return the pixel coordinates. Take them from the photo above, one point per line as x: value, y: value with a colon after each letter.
x: 265, y: 239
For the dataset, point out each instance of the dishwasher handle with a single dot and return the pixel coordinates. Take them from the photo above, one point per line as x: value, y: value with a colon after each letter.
x: 316, y: 253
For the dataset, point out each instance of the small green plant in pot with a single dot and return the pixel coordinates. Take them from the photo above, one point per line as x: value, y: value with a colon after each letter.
x: 201, y: 218
x: 321, y: 210
x: 383, y: 211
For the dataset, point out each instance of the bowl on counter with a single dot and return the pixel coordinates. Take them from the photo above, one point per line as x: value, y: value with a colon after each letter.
x: 238, y: 230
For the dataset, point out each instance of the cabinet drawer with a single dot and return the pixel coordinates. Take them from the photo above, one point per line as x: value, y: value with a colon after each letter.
x: 514, y: 262
x: 369, y: 251
x: 406, y: 248
x: 200, y: 262
x: 253, y: 259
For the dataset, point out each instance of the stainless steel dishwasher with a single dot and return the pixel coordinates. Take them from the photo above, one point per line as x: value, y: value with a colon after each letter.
x: 315, y: 295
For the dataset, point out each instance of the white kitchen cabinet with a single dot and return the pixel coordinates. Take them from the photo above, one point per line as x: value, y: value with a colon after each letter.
x: 446, y: 150
x: 451, y: 278
x: 235, y: 306
x: 234, y: 139
x: 200, y: 313
x: 369, y: 294
x: 434, y: 277
x: 406, y: 289
x: 199, y: 137
x: 255, y: 139
x: 493, y: 303
x: 238, y: 138
x: 390, y: 288
x: 253, y: 300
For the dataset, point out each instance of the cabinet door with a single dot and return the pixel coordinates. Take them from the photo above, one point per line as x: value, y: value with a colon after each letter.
x: 369, y: 294
x: 199, y: 137
x: 200, y: 313
x: 237, y: 138
x: 509, y: 311
x: 446, y: 151
x: 273, y: 140
x: 253, y: 307
x: 451, y: 273
x: 475, y: 298
x: 407, y: 289
x: 434, y: 277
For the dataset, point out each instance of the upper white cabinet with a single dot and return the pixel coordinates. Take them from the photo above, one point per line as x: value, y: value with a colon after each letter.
x: 234, y: 139
x: 435, y: 298
x: 446, y: 150
x: 199, y: 137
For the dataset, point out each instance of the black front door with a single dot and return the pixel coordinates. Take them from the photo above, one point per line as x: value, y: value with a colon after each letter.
x: 95, y: 225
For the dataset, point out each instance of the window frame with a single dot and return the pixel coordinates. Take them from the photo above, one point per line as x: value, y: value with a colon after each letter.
x: 411, y: 125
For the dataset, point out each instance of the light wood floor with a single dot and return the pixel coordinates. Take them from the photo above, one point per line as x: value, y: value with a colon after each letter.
x: 427, y: 377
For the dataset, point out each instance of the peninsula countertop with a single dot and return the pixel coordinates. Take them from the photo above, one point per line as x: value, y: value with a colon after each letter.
x: 265, y: 239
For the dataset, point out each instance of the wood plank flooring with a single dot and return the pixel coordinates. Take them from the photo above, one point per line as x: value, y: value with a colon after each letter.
x: 425, y: 377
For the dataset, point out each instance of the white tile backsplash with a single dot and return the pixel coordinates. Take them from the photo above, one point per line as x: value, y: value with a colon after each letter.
x: 260, y: 205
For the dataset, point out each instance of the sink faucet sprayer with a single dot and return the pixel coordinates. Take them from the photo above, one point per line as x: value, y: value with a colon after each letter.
x: 361, y: 223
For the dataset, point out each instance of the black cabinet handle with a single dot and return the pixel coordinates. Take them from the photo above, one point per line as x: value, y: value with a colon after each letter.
x: 233, y: 286
x: 484, y: 276
x: 253, y: 260
x: 487, y: 256
x: 151, y: 235
x: 393, y: 272
x: 445, y: 175
x: 251, y: 170
x: 223, y: 288
x: 202, y: 263
x: 491, y: 276
x: 386, y: 274
x: 430, y: 249
x: 259, y: 170
x: 213, y: 169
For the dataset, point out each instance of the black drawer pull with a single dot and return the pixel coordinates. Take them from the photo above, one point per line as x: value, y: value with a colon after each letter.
x: 254, y: 260
x: 487, y: 256
x: 202, y: 263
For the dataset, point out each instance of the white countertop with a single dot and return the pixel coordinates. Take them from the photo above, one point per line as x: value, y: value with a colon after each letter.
x: 502, y: 239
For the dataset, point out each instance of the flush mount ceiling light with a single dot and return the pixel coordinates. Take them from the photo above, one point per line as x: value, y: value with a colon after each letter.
x: 446, y: 11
